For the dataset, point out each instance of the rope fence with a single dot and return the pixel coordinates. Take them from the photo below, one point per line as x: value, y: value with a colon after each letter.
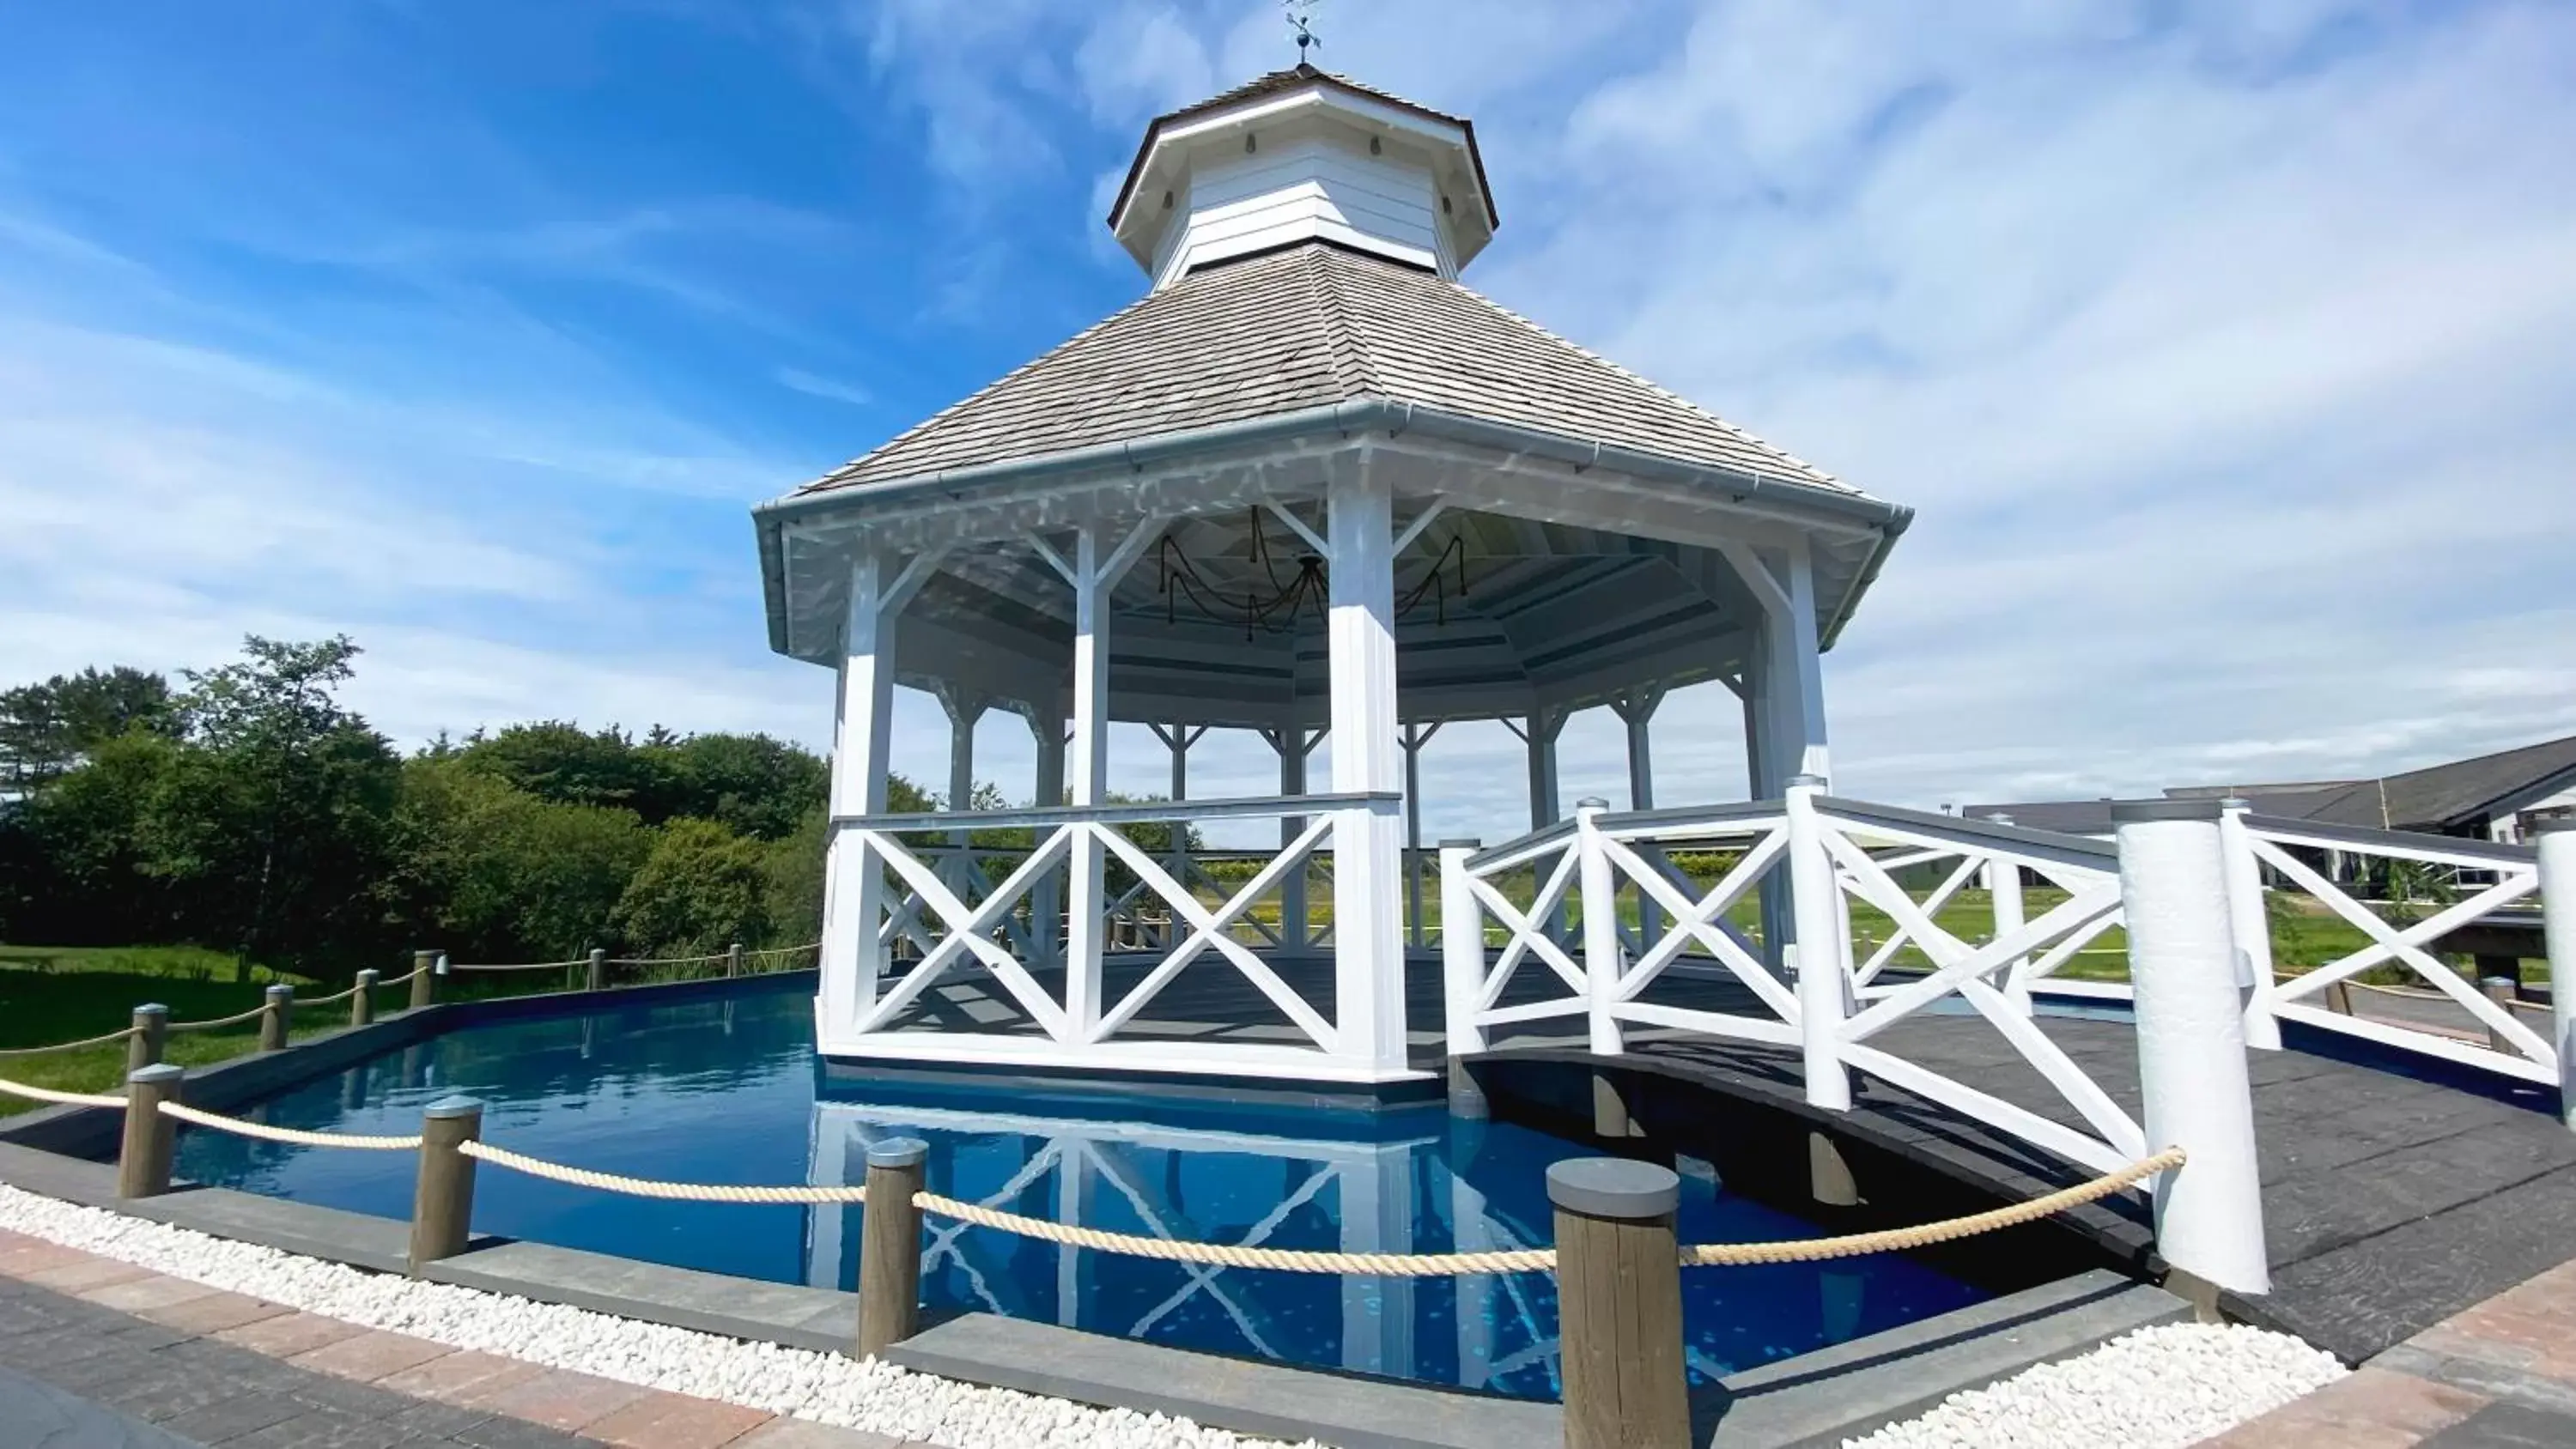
x: 66, y: 1099
x: 236, y: 1019
x: 454, y: 966
x: 647, y: 1187
x: 68, y: 1046
x: 240, y: 1127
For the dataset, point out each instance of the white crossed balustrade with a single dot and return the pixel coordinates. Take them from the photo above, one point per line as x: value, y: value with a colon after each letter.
x: 2290, y: 851
x: 946, y: 903
x: 1611, y: 872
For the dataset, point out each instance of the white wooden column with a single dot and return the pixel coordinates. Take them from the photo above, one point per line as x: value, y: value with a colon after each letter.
x: 1093, y: 571
x: 1784, y: 715
x: 854, y: 885
x: 1178, y: 739
x: 1415, y: 737
x: 1637, y: 712
x: 1368, y: 927
x: 1294, y: 742
x: 1046, y: 896
x: 1539, y: 731
x: 963, y: 710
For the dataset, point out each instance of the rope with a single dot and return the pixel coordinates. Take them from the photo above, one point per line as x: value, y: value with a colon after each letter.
x: 233, y: 1020
x: 399, y: 980
x: 1385, y: 1265
x: 520, y: 966
x: 65, y: 1046
x: 324, y: 1000
x: 644, y: 1187
x: 663, y: 960
x: 1530, y: 1260
x: 782, y: 950
x: 240, y: 1128
x: 69, y: 1099
x: 1728, y: 1255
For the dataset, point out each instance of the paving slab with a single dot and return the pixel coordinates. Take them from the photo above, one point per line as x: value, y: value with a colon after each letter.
x: 800, y: 1317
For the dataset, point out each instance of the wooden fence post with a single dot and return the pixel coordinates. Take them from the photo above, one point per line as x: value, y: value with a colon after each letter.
x: 442, y: 1204
x: 143, y: 1161
x: 151, y: 1036
x: 1619, y: 1304
x: 424, y: 978
x: 2503, y: 991
x: 890, y: 1244
x: 272, y: 1017
x: 362, y: 1006
x: 733, y: 960
x: 598, y: 969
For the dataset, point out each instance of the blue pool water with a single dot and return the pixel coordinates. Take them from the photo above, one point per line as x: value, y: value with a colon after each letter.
x: 727, y: 1091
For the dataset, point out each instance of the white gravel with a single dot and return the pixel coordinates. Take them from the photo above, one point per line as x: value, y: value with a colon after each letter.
x: 859, y: 1394
x: 2157, y: 1388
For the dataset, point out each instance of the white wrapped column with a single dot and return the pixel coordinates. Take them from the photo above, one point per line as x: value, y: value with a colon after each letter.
x: 1368, y: 921
x: 2191, y: 1041
x: 854, y: 888
x: 2556, y: 841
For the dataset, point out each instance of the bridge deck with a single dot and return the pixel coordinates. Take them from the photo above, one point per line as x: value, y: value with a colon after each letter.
x: 2390, y: 1202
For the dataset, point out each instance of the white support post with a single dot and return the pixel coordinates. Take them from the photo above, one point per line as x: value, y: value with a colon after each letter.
x: 1823, y: 977
x: 2555, y: 842
x: 1462, y: 951
x: 1086, y: 897
x: 963, y: 711
x: 1294, y: 742
x: 854, y: 888
x: 1539, y: 732
x: 2249, y: 926
x: 2191, y: 1041
x: 1637, y: 712
x: 2003, y: 890
x: 1178, y: 739
x: 1415, y: 927
x: 1368, y: 926
x: 1600, y: 884
x: 1046, y: 897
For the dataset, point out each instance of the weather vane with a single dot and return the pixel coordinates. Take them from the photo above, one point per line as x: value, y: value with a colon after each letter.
x: 1301, y: 16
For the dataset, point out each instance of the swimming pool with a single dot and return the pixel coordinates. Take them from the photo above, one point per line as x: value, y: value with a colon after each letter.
x: 728, y: 1090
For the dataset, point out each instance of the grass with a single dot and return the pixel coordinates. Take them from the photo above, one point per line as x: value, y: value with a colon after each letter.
x: 39, y: 1007
x: 176, y: 963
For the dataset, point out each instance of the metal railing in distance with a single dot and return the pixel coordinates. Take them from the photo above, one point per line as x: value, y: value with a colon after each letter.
x: 2295, y: 853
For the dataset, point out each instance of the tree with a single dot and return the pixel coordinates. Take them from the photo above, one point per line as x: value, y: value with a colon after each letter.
x: 701, y: 889
x: 47, y: 729
x: 491, y: 873
x: 269, y: 824
x: 560, y: 761
x: 753, y: 784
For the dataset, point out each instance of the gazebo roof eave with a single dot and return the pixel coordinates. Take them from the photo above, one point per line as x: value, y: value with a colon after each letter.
x: 1845, y: 506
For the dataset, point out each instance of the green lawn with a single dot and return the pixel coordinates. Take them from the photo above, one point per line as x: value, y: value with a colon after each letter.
x: 40, y: 1007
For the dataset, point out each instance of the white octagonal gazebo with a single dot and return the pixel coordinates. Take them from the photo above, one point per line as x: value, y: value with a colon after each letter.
x: 1308, y: 484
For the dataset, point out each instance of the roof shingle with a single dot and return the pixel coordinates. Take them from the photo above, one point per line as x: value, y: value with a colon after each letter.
x: 1303, y: 328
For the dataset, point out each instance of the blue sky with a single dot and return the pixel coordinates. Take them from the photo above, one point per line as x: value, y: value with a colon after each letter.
x: 2225, y: 348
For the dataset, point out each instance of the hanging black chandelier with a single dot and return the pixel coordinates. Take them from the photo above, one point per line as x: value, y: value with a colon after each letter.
x: 1276, y: 611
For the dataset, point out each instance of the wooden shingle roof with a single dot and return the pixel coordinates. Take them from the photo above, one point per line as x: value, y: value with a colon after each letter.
x: 1309, y: 327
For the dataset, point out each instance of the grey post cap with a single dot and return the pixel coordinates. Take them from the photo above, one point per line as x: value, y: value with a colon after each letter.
x: 367, y: 971
x: 898, y: 1152
x: 454, y: 1107
x: 2140, y: 812
x: 1613, y: 1187
x: 2554, y: 824
x: 1591, y: 802
x: 153, y: 1008
x: 1462, y: 842
x: 2498, y: 981
x: 281, y: 989
x: 157, y: 1072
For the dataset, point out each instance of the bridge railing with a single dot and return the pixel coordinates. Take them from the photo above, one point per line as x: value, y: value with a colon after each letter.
x: 2488, y: 877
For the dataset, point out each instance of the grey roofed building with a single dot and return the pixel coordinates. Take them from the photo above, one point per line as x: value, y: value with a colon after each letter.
x: 1307, y: 327
x: 2495, y: 796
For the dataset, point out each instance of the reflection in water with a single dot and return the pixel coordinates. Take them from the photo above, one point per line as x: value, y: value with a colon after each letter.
x: 726, y: 1090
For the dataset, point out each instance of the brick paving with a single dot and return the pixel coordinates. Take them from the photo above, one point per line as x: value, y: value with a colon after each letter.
x: 98, y: 1352
x: 2500, y: 1375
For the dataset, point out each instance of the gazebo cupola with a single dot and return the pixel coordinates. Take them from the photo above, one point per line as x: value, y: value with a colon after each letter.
x: 1307, y: 485
x: 1301, y: 155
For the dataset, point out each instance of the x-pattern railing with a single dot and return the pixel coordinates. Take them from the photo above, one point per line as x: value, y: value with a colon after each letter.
x: 2259, y: 842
